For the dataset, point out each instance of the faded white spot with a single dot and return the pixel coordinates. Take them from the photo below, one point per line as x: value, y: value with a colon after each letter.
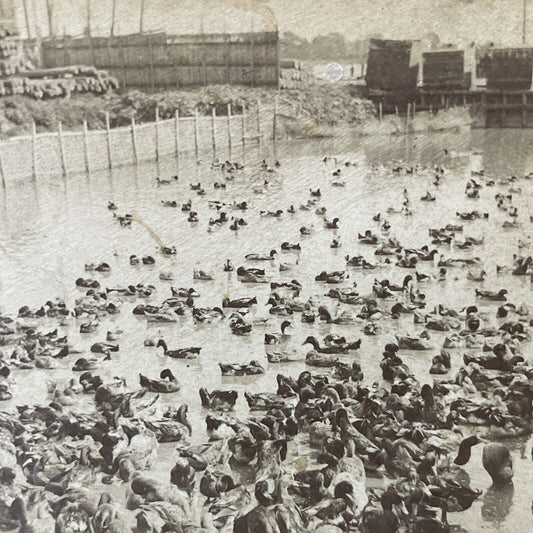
x: 334, y: 72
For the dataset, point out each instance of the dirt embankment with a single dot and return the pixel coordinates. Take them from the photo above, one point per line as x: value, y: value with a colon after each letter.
x: 317, y: 105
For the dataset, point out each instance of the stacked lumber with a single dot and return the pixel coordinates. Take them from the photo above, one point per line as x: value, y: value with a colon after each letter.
x: 44, y: 88
x: 18, y: 76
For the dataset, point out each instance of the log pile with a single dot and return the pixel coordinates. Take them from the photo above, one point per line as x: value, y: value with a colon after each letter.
x: 18, y: 76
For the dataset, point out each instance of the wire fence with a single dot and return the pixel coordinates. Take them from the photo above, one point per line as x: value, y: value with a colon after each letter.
x: 62, y: 153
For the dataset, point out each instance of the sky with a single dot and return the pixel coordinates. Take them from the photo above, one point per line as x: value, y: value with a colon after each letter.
x: 457, y: 21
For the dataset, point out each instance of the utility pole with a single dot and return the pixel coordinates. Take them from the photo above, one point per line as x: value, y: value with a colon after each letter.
x: 524, y: 16
x: 141, y: 21
x: 113, y: 13
x: 49, y: 13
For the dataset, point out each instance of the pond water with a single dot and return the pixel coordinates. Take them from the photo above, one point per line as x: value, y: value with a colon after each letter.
x: 50, y: 229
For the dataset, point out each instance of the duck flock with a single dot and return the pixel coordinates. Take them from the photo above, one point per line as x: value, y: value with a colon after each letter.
x: 325, y: 449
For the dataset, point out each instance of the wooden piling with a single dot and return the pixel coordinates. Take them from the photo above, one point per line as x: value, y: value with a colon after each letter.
x: 524, y: 110
x: 34, y: 149
x: 504, y: 111
x: 86, y: 146
x: 108, y: 140
x: 414, y: 109
x: 407, y: 115
x: 61, y: 148
x: 157, y: 133
x: 177, y: 133
x: 134, y: 141
x: 381, y: 111
x: 196, y: 133
x: 229, y: 132
x: 396, y: 110
x: 214, y: 131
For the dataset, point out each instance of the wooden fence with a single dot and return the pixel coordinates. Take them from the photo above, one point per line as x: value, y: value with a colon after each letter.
x: 157, y: 61
x: 63, y: 153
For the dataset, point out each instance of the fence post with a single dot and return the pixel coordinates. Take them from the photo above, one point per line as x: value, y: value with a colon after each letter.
x: 407, y: 115
x: 275, y: 118
x: 2, y: 174
x: 259, y: 134
x: 134, y: 140
x: 86, y: 146
x: 177, y: 133
x: 196, y: 133
x: 213, y: 131
x: 108, y: 139
x: 157, y: 133
x: 380, y: 111
x: 34, y: 149
x: 229, y: 131
x: 243, y: 127
x: 61, y: 147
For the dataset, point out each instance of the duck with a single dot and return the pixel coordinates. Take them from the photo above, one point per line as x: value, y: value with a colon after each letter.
x: 239, y: 302
x: 261, y: 257
x: 287, y: 246
x: 499, y: 296
x: 83, y: 364
x: 167, y: 384
x: 343, y: 318
x: 498, y: 463
x: 218, y: 399
x: 202, y: 275
x: 276, y: 338
x: 276, y: 357
x: 330, y: 349
x: 228, y: 266
x: 407, y: 342
x: 250, y: 369
x: 331, y: 224
x: 191, y: 352
x: 264, y: 400
x: 168, y: 250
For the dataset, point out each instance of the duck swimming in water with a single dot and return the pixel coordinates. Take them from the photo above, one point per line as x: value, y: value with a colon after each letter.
x: 499, y: 296
x: 218, y: 399
x: 181, y: 353
x: 276, y: 338
x: 250, y: 369
x: 168, y: 383
x: 261, y: 257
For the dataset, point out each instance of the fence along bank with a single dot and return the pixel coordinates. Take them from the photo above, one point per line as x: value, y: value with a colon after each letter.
x: 62, y: 153
x: 158, y: 61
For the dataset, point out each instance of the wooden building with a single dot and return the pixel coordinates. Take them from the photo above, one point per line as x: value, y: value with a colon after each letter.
x: 158, y: 61
x: 393, y: 66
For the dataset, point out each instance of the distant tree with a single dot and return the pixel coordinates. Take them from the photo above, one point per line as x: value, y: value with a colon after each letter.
x: 328, y: 46
x: 293, y: 46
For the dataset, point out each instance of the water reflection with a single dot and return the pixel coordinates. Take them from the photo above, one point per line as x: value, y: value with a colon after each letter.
x: 497, y: 503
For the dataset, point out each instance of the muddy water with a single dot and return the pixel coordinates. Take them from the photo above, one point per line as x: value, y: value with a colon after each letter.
x: 50, y: 229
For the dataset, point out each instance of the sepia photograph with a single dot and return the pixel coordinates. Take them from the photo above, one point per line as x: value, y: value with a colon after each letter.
x: 266, y: 266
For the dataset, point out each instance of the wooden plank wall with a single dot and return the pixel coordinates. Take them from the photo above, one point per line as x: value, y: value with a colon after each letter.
x: 158, y: 61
